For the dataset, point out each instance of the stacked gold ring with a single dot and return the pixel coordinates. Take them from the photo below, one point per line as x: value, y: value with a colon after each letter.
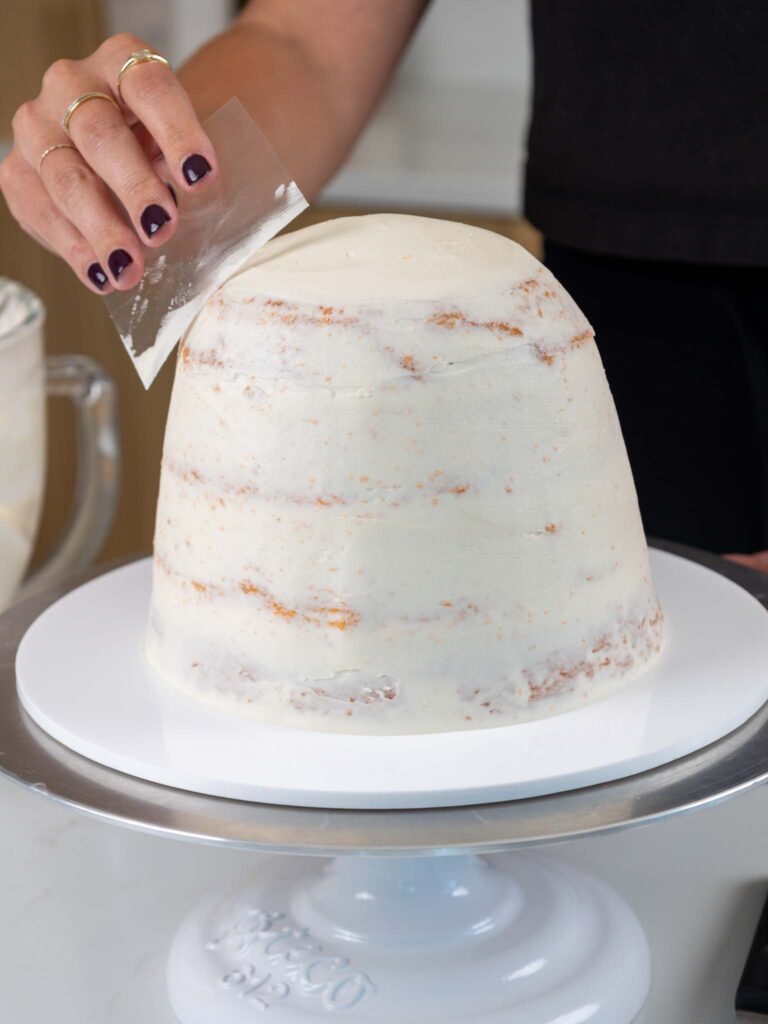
x: 76, y: 104
x: 50, y: 149
x: 139, y: 57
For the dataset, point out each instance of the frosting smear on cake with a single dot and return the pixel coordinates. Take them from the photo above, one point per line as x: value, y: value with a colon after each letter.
x: 395, y: 497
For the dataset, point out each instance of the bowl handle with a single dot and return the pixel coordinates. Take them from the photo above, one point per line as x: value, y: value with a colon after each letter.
x: 92, y: 393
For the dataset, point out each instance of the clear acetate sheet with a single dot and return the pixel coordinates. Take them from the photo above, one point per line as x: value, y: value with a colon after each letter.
x: 252, y: 198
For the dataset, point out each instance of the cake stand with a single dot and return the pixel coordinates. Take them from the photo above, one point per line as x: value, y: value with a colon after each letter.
x: 422, y: 915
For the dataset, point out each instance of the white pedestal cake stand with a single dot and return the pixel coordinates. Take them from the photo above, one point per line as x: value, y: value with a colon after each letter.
x: 406, y: 932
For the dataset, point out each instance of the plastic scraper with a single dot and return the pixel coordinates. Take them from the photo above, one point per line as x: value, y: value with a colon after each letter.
x: 252, y: 198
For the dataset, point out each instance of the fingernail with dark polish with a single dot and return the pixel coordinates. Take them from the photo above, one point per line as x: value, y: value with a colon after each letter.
x: 118, y: 261
x: 97, y: 276
x: 153, y: 218
x: 194, y: 168
x: 172, y: 190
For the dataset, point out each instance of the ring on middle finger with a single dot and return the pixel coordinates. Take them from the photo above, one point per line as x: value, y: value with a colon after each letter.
x: 76, y: 104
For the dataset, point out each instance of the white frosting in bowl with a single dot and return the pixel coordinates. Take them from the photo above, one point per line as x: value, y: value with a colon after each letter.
x: 16, y: 304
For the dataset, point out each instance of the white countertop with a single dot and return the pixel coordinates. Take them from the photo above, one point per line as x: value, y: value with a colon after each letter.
x: 87, y: 910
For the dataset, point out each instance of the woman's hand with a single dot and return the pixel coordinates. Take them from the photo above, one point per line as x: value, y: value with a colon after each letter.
x: 759, y: 560
x: 67, y: 200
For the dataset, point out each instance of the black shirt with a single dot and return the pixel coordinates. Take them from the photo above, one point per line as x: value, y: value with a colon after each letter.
x: 649, y: 134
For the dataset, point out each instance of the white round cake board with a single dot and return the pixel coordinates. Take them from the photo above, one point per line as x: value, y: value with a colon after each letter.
x: 82, y: 677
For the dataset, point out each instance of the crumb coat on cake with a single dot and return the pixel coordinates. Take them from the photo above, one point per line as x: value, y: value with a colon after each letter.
x: 395, y: 495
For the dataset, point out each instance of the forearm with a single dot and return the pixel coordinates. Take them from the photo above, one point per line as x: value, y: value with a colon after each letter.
x: 285, y: 95
x: 310, y: 82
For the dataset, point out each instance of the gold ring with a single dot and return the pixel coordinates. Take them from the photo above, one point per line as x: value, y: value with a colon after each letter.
x: 139, y: 57
x: 79, y: 102
x: 58, y: 145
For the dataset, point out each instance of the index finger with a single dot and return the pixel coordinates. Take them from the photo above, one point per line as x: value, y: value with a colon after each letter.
x: 152, y: 93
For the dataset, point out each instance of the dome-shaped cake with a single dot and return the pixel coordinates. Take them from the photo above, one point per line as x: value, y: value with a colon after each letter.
x: 395, y: 496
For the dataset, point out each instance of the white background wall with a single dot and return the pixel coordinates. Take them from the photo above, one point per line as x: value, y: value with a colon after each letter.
x: 451, y: 133
x: 174, y: 27
x: 474, y: 41
x: 470, y: 41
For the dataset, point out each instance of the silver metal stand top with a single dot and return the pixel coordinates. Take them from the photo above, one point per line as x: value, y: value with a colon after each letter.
x: 29, y: 757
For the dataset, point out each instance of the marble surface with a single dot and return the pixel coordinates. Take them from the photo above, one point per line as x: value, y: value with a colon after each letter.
x: 87, y: 910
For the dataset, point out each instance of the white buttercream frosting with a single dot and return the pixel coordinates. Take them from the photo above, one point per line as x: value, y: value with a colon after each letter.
x: 15, y: 306
x: 22, y: 430
x: 395, y: 495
